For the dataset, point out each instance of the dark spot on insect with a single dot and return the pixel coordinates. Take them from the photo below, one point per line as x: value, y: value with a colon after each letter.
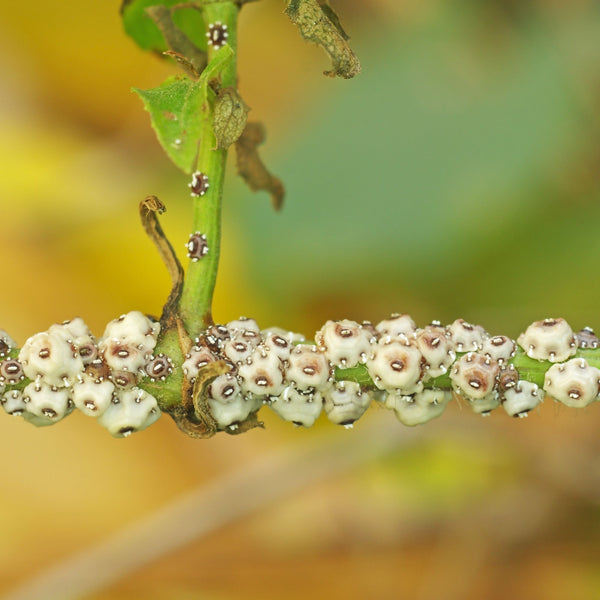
x: 215, y: 335
x: 507, y: 381
x: 123, y: 378
x: 279, y: 341
x: 88, y: 352
x: 98, y: 370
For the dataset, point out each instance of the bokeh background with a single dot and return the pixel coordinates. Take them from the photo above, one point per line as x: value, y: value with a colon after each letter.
x: 457, y: 176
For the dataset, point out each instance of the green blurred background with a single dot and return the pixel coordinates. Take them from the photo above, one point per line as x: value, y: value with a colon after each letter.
x: 457, y: 176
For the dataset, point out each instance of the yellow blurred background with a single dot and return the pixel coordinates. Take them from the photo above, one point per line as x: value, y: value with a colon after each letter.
x: 457, y: 176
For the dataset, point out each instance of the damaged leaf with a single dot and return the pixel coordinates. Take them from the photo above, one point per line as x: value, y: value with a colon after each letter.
x: 176, y: 112
x: 192, y: 59
x: 230, y: 116
x: 330, y: 14
x: 318, y: 23
x: 251, y: 168
x: 149, y: 208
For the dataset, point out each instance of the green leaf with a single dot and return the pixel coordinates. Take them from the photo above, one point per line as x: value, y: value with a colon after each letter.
x: 147, y: 35
x: 176, y: 110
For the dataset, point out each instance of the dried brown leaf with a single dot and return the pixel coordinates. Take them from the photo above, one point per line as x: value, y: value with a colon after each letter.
x: 318, y: 23
x: 188, y: 55
x: 251, y: 168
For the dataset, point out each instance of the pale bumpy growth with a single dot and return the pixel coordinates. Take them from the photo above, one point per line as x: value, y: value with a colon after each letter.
x: 68, y: 369
x: 412, y: 371
x: 299, y: 380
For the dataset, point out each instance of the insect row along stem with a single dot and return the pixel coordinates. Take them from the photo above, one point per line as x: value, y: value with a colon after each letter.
x: 415, y: 372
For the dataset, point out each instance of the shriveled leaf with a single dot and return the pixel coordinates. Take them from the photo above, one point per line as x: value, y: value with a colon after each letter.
x: 330, y: 14
x: 190, y: 57
x: 230, y: 116
x: 176, y: 109
x: 139, y: 25
x: 187, y: 65
x: 319, y: 24
x: 251, y: 168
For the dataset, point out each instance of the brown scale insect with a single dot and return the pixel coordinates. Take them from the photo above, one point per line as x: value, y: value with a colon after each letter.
x: 586, y: 338
x: 123, y: 379
x: 217, y: 34
x: 199, y: 185
x: 197, y: 246
x: 214, y: 336
x: 98, y: 370
x: 11, y: 371
x: 508, y: 378
x: 160, y: 367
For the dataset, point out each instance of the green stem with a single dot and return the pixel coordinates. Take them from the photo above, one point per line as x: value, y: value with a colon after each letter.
x: 198, y: 287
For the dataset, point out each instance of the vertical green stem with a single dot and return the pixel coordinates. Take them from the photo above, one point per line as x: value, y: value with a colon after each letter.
x: 196, y: 299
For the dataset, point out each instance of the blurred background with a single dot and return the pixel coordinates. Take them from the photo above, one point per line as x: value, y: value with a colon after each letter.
x: 457, y: 176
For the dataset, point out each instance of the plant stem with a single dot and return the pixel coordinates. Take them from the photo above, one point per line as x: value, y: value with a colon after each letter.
x: 196, y: 299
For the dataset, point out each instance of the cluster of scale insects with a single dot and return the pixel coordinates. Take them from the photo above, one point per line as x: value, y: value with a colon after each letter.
x: 66, y: 368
